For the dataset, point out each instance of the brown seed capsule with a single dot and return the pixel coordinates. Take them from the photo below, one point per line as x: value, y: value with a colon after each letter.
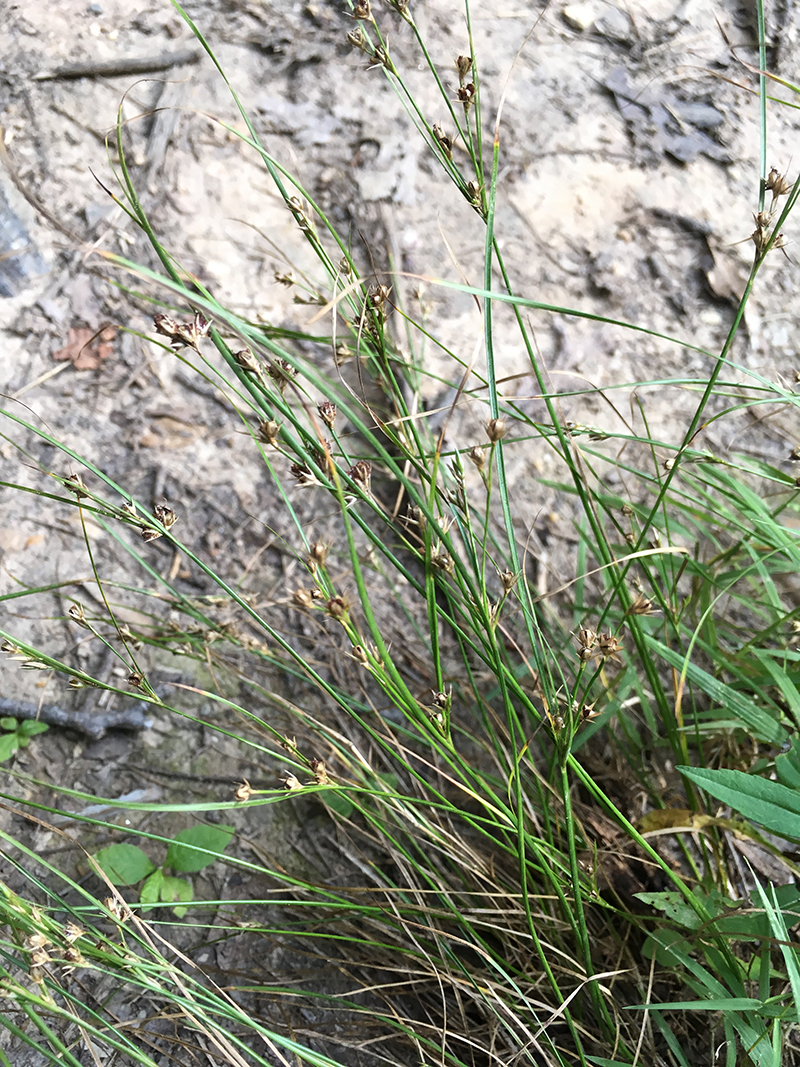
x: 327, y: 412
x: 165, y: 325
x: 362, y: 11
x: 284, y: 279
x: 360, y: 654
x: 165, y: 515
x: 777, y: 184
x: 342, y: 353
x: 268, y: 432
x: 35, y: 941
x: 443, y: 140
x: 72, y: 932
x: 642, y: 605
x: 443, y: 562
x: 135, y: 679
x: 318, y: 552
x: 74, y: 483
x: 303, y: 475
x: 509, y: 580
x: 243, y: 791
x: 496, y: 430
x: 463, y: 66
x: 607, y: 645
x: 358, y: 40
x: 247, y: 361
x: 292, y: 782
x: 477, y: 456
x: 73, y: 957
x: 281, y: 372
x: 361, y: 474
x: 441, y: 700
x: 78, y: 615
x: 302, y: 599
x: 473, y: 191
x: 319, y: 771
x: 627, y: 510
x: 337, y: 608
x: 466, y: 94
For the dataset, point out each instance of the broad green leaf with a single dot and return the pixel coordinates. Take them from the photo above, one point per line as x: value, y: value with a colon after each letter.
x: 124, y: 864
x: 720, y: 1004
x: 675, y: 906
x: 788, y: 766
x: 151, y: 889
x: 770, y: 804
x: 173, y: 889
x: 735, y: 704
x: 336, y: 802
x: 189, y: 851
x: 9, y: 743
x: 8, y: 723
x: 30, y: 727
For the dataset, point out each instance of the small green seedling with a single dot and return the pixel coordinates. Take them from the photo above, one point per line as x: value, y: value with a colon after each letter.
x: 18, y: 735
x: 190, y: 850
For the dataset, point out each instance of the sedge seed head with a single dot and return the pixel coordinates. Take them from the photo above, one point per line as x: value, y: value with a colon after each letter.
x: 496, y: 429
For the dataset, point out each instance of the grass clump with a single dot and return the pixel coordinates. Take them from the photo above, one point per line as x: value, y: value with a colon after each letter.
x: 466, y: 734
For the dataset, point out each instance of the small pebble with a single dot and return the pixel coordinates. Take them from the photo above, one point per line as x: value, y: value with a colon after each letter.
x: 579, y: 17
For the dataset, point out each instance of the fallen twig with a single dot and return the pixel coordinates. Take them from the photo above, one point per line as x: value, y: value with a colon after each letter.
x: 94, y: 725
x: 108, y: 68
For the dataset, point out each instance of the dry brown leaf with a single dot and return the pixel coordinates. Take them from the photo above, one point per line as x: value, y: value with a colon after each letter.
x: 86, y: 349
x: 170, y: 433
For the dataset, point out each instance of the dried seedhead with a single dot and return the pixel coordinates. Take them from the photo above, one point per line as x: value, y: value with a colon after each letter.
x: 319, y: 771
x: 286, y: 280
x: 183, y: 334
x: 607, y: 645
x: 268, y: 432
x: 777, y: 184
x: 381, y: 58
x: 463, y: 66
x: 361, y: 474
x: 477, y: 456
x: 327, y: 412
x: 378, y: 295
x: 281, y: 372
x: 466, y: 94
x: 338, y: 608
x: 642, y: 605
x: 508, y: 580
x: 342, y: 353
x: 317, y: 554
x: 166, y: 516
x: 442, y: 561
x: 586, y: 642
x: 302, y: 598
x: 362, y: 11
x: 72, y: 932
x: 78, y: 615
x: 358, y: 39
x: 74, y: 483
x: 243, y: 791
x: 292, y: 782
x: 473, y: 193
x: 247, y: 361
x: 303, y: 475
x: 496, y: 430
